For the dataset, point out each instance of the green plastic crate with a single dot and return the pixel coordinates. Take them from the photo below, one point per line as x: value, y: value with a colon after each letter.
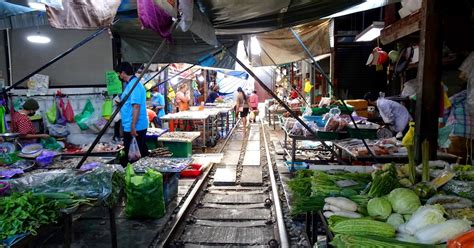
x: 151, y: 143
x: 362, y: 133
x: 179, y: 149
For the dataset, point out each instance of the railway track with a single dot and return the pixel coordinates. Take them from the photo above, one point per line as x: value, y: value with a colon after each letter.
x: 235, y: 203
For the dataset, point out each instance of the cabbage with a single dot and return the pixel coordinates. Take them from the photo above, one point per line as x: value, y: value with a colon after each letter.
x: 395, y: 220
x: 404, y: 201
x: 424, y: 216
x: 379, y: 208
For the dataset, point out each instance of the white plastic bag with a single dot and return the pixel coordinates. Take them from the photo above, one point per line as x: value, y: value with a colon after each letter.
x: 134, y: 151
x: 308, y: 111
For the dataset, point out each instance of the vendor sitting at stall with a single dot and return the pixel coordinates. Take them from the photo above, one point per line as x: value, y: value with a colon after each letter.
x: 213, y: 95
x: 22, y: 124
x: 395, y: 115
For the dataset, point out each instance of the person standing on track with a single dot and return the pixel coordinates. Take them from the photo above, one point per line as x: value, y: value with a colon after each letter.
x: 242, y: 106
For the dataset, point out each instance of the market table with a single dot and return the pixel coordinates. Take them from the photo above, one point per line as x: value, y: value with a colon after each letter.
x: 394, y: 157
x: 272, y: 114
x: 223, y: 111
x: 191, y: 116
x: 33, y: 180
x: 180, y: 137
x: 296, y: 138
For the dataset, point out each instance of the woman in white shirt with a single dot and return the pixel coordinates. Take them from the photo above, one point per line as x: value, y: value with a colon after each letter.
x: 395, y: 115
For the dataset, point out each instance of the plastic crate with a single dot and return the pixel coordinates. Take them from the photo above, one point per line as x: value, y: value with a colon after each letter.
x: 194, y: 172
x: 179, y: 149
x: 362, y: 133
x: 297, y: 166
x: 317, y: 119
x: 170, y: 186
x: 320, y: 111
x: 151, y: 142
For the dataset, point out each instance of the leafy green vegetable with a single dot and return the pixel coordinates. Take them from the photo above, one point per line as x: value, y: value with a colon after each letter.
x: 383, y: 181
x: 404, y: 201
x: 379, y: 208
x: 25, y: 212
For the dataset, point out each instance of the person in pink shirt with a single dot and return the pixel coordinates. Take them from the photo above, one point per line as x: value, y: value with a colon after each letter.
x: 253, y: 103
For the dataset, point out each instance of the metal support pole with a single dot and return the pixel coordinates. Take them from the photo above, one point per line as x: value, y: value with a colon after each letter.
x: 265, y: 87
x: 122, y: 102
x: 54, y: 60
x: 328, y: 80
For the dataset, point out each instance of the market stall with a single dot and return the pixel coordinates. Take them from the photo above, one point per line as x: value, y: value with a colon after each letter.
x: 432, y: 207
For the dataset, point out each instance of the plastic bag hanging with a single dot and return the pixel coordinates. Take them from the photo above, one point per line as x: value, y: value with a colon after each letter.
x: 51, y: 113
x: 107, y: 108
x: 86, y: 113
x: 134, y: 151
x: 60, y: 119
x: 69, y: 112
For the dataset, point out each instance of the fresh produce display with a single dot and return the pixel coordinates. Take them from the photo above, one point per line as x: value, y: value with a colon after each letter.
x: 26, y: 212
x: 388, y: 211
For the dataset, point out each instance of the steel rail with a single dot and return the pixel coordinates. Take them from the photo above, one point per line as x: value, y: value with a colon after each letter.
x: 283, y: 235
x: 284, y: 105
x: 184, y: 209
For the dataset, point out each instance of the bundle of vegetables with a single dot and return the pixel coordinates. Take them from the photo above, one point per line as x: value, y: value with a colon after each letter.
x: 340, y: 206
x: 26, y: 212
x: 383, y: 181
x: 362, y: 226
x: 99, y: 183
x: 310, y: 188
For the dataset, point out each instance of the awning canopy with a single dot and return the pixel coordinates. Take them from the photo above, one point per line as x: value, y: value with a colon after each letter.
x: 139, y: 44
x: 280, y: 47
x: 230, y: 20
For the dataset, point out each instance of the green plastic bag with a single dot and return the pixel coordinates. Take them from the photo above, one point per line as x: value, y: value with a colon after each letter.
x: 144, y: 194
x: 51, y: 144
x: 87, y: 112
x: 51, y: 113
x: 107, y: 108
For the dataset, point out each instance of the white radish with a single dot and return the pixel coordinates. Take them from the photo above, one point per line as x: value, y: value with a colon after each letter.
x: 342, y: 203
x: 347, y: 214
x: 328, y: 214
x: 331, y: 208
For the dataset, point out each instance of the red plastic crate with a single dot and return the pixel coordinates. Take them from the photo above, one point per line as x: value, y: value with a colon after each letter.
x: 194, y: 172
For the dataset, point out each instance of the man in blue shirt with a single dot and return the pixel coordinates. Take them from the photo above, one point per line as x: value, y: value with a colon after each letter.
x: 133, y: 112
x: 158, y: 104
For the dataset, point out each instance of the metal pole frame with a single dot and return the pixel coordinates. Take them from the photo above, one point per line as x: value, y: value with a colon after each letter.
x: 316, y: 66
x: 283, y: 104
x: 122, y: 102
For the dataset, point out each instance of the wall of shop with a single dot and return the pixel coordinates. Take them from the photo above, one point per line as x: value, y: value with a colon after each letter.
x: 84, y: 67
x: 77, y: 136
